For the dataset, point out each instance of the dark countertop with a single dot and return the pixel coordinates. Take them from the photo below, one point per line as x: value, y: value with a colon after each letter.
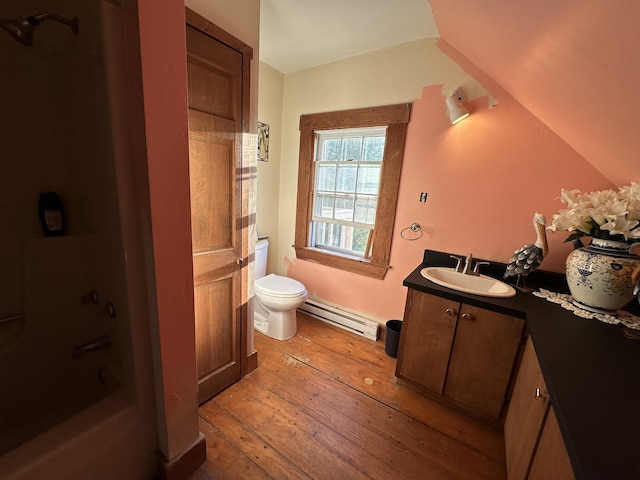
x: 591, y: 370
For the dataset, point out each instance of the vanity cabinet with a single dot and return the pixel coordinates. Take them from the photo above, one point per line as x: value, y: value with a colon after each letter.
x: 461, y: 353
x: 534, y: 446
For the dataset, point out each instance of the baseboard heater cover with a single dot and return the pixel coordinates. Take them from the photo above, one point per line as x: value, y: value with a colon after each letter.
x: 341, y: 318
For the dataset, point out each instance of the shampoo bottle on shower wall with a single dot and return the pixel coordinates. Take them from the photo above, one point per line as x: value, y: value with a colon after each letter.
x: 51, y: 215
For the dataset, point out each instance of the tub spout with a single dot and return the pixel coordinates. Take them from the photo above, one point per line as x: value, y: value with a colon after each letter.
x: 98, y: 344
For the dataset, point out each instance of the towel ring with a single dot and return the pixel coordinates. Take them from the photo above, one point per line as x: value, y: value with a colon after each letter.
x: 414, y: 227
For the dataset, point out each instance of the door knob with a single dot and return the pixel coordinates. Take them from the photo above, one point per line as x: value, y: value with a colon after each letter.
x: 541, y: 395
x: 466, y: 316
x: 450, y: 311
x: 240, y: 261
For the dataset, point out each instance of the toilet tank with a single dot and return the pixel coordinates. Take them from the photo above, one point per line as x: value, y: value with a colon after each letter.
x: 260, y: 268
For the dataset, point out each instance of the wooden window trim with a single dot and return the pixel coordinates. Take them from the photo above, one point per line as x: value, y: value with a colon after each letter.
x: 395, y: 118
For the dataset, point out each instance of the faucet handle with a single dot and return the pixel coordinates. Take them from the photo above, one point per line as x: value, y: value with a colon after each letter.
x: 459, y: 264
x: 476, y: 268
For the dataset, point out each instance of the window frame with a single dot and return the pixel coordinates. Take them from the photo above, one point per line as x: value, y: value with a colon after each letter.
x: 395, y: 118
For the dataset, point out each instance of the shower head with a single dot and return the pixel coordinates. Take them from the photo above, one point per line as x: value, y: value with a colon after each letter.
x: 22, y: 28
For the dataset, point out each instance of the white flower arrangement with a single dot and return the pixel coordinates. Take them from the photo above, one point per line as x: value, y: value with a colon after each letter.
x: 607, y: 215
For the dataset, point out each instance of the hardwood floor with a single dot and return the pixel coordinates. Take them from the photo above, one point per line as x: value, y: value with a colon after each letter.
x: 326, y: 405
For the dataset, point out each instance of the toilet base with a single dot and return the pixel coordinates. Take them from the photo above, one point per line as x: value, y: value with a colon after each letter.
x: 277, y: 325
x: 260, y: 323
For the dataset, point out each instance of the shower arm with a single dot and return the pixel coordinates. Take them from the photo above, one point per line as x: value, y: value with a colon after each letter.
x: 22, y: 28
x: 36, y: 19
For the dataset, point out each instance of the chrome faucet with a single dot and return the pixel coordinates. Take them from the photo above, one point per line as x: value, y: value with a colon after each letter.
x: 468, y: 266
x: 470, y: 269
x: 97, y: 344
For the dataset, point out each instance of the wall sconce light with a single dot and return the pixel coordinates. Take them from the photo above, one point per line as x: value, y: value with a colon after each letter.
x: 457, y: 112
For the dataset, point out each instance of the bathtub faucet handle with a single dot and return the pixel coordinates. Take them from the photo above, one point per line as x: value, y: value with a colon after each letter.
x: 91, y: 297
x: 108, y: 310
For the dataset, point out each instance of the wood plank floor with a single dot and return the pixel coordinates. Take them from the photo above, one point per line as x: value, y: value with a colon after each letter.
x: 326, y: 405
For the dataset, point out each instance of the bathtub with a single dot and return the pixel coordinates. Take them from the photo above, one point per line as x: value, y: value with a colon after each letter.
x: 45, y: 391
x: 45, y: 383
x: 99, y: 443
x: 66, y: 415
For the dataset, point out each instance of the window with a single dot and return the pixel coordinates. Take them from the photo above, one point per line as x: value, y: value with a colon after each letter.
x: 349, y: 171
x: 345, y: 188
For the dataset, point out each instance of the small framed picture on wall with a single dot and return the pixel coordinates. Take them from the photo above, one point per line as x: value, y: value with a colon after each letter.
x: 263, y: 142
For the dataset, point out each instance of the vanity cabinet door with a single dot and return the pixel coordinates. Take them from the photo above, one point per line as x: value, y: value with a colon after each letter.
x: 551, y: 459
x: 482, y: 360
x: 528, y: 406
x: 464, y: 354
x: 534, y: 445
x: 425, y: 340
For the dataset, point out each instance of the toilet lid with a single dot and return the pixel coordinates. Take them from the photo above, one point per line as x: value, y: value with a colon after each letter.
x: 280, y: 286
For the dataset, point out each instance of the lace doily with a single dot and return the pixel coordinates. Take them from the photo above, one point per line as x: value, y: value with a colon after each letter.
x: 566, y: 302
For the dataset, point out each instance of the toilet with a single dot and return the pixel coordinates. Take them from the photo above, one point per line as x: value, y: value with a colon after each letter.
x: 277, y: 299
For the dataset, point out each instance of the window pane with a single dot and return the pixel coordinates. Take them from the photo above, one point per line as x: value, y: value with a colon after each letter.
x: 368, y: 179
x: 360, y: 239
x: 366, y: 210
x: 325, y: 177
x: 344, y: 208
x: 352, y: 149
x: 330, y: 149
x: 346, y: 181
x: 327, y: 234
x: 373, y: 149
x: 321, y: 230
x: 324, y: 205
x: 341, y: 237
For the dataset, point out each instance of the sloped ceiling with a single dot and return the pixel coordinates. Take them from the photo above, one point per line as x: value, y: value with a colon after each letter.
x: 575, y: 64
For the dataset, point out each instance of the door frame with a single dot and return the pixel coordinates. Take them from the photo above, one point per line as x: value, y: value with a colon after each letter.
x: 248, y: 359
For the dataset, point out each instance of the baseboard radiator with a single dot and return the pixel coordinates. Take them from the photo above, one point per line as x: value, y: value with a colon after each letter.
x: 341, y: 318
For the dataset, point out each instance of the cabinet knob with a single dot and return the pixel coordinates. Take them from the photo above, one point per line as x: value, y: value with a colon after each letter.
x: 451, y: 312
x: 466, y: 316
x: 541, y: 395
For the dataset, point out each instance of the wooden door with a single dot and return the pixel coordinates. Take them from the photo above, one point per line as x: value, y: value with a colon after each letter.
x: 482, y: 359
x: 425, y: 340
x: 215, y: 156
x: 525, y: 415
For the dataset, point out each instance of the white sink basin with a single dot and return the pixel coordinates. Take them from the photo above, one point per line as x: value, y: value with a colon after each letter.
x: 477, y: 285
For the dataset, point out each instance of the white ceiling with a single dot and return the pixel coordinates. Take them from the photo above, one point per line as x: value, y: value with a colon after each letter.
x: 299, y: 34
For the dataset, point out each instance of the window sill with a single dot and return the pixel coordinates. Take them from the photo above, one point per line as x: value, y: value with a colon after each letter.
x: 357, y: 265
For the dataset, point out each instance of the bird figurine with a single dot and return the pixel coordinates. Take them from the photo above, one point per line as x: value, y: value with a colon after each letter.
x: 529, y: 257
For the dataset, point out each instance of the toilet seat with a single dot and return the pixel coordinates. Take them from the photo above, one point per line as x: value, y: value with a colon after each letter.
x: 279, y: 286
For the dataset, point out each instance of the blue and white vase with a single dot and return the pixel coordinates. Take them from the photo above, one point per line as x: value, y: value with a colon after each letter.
x: 599, y: 275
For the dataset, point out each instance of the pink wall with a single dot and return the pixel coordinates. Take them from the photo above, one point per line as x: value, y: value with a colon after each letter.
x: 164, y: 85
x: 573, y: 64
x: 486, y: 177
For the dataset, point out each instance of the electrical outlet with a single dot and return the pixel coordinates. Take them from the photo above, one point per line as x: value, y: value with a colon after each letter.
x: 423, y: 197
